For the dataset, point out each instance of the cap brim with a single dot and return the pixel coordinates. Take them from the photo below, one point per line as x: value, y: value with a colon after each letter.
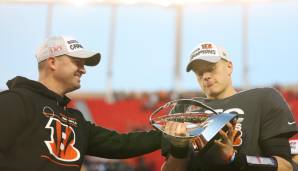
x: 91, y: 58
x: 212, y: 59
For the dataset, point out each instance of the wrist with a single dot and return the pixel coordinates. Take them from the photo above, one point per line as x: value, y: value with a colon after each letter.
x: 242, y: 161
x: 179, y: 152
x: 239, y: 161
x: 233, y: 156
x: 230, y: 157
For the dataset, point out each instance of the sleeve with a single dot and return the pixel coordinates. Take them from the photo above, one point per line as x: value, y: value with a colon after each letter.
x: 165, y: 147
x: 277, y: 118
x: 110, y: 144
x: 12, y: 119
x: 277, y: 146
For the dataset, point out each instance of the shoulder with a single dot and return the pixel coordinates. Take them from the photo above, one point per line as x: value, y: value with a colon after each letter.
x: 12, y: 103
x: 16, y: 93
x: 9, y: 95
x: 270, y: 94
x: 267, y: 90
x: 259, y: 92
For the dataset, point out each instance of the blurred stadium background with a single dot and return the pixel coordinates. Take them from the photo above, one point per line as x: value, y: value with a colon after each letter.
x: 145, y: 45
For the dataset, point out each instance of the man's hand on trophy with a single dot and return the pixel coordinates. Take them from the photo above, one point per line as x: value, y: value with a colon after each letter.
x: 226, y: 142
x: 176, y: 128
x: 179, y: 146
x: 176, y: 131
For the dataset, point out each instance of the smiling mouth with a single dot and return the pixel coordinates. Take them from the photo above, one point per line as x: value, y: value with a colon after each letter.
x: 78, y: 77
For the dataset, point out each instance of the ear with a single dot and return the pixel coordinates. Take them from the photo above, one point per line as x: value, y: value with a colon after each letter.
x: 230, y: 67
x: 51, y: 61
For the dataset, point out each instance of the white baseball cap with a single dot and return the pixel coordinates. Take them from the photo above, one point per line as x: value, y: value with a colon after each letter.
x: 61, y: 45
x: 208, y: 52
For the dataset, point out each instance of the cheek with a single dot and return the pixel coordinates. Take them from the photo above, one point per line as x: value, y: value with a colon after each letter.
x: 69, y: 68
x: 223, y: 79
x: 222, y: 74
x: 65, y: 73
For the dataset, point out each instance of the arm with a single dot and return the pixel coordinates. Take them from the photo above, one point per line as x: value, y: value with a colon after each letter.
x: 12, y: 119
x: 276, y: 149
x: 295, y: 158
x: 175, y: 151
x: 174, y: 164
x: 283, y: 165
x: 295, y: 161
x: 277, y: 128
x: 279, y: 148
x: 110, y: 144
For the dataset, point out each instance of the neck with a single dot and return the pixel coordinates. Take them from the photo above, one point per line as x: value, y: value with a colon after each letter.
x: 227, y: 92
x: 52, y: 85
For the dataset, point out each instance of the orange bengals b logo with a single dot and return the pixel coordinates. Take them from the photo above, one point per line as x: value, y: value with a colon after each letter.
x: 237, y: 137
x: 61, y: 145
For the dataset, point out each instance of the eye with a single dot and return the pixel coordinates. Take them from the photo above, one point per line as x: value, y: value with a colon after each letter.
x: 79, y: 62
x: 212, y: 68
x: 204, y: 69
x: 200, y: 73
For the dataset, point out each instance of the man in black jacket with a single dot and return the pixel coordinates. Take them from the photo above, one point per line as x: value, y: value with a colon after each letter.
x: 37, y: 129
x: 259, y: 140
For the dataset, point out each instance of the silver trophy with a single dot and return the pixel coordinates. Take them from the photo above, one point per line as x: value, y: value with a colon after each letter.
x: 202, y: 122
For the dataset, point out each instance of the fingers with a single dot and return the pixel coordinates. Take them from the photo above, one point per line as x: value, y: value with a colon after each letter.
x: 199, y: 142
x: 175, y: 128
x: 227, y: 137
x: 169, y: 128
x: 219, y: 143
x: 222, y: 142
x: 234, y: 122
x: 230, y: 132
x: 226, y: 144
x: 181, y: 129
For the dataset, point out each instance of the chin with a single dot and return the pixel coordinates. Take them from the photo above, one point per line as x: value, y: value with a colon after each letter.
x: 77, y: 84
x: 213, y: 94
x: 75, y: 87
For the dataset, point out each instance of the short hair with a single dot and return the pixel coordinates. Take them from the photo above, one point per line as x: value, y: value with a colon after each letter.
x: 41, y: 65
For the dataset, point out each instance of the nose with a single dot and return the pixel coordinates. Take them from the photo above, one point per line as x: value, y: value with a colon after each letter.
x: 206, y: 76
x: 82, y: 69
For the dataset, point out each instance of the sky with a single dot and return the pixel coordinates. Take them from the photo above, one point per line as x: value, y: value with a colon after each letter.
x: 144, y: 51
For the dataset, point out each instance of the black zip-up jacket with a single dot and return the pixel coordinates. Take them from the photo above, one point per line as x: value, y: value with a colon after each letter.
x: 39, y: 133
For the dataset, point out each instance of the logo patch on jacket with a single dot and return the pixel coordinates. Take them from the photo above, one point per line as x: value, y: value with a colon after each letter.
x: 63, y: 138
